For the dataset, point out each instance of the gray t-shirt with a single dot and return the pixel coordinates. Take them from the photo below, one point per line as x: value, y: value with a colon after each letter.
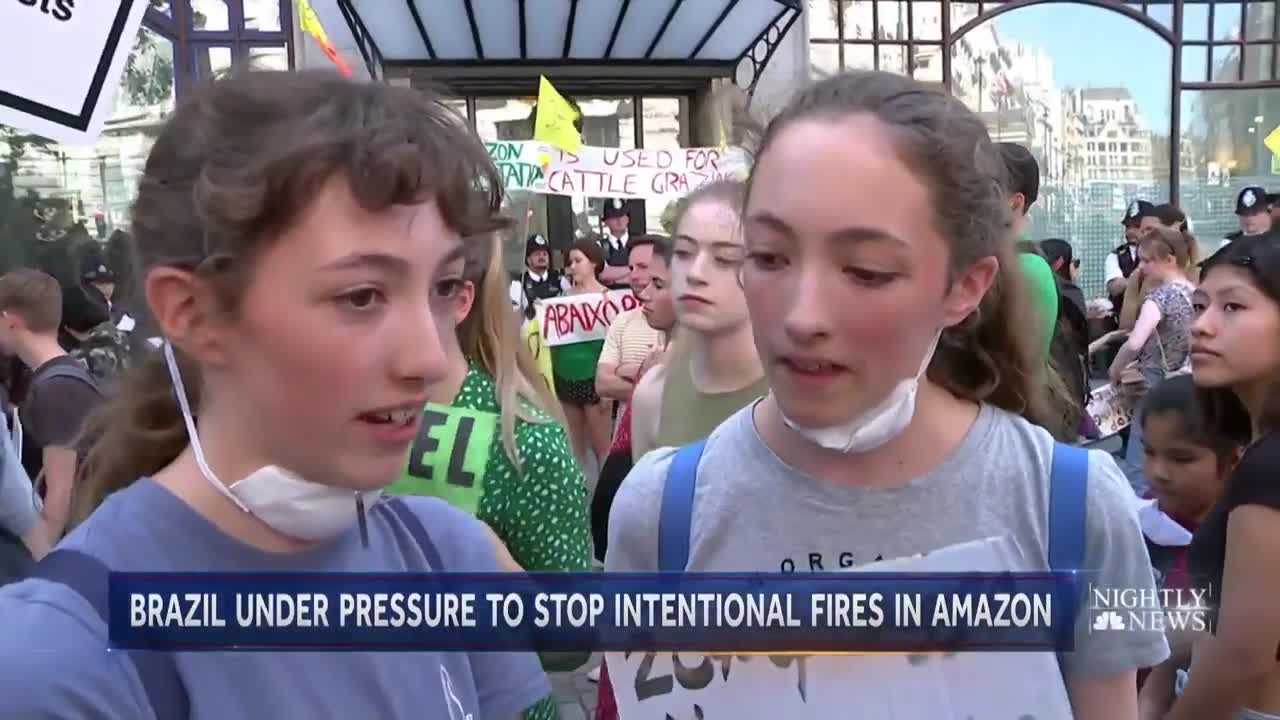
x: 54, y: 662
x: 754, y: 513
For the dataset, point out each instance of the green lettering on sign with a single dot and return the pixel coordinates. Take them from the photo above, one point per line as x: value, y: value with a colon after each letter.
x: 449, y: 456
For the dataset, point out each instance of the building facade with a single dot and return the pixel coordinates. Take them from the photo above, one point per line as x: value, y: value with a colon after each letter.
x: 1159, y: 100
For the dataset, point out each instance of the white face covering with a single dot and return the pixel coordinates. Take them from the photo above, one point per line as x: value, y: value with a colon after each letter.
x: 876, y: 426
x: 289, y: 504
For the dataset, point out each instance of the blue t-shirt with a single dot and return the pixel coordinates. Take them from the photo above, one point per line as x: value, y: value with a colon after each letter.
x: 54, y: 661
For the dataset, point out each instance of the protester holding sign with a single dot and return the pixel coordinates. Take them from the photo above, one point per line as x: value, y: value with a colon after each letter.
x: 496, y: 446
x: 887, y: 316
x: 299, y: 239
x: 574, y: 364
x: 500, y: 450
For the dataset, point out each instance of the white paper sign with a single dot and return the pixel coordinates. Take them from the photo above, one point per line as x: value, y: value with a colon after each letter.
x: 614, y: 172
x: 61, y: 63
x: 990, y: 686
x: 581, y: 318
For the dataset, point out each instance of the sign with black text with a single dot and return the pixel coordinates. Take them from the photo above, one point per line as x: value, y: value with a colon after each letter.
x: 62, y: 61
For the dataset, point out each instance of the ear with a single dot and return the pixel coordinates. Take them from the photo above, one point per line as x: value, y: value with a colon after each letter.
x: 1018, y: 203
x: 968, y: 289
x: 187, y: 313
x: 466, y: 300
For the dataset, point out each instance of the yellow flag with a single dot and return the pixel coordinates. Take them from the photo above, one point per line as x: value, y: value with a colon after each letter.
x: 554, y: 124
x: 310, y: 24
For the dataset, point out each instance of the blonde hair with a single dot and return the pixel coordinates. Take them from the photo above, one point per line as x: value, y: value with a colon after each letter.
x: 491, y: 337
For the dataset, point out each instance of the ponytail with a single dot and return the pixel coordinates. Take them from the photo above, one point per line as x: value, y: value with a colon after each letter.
x: 491, y: 337
x: 991, y: 356
x: 135, y: 432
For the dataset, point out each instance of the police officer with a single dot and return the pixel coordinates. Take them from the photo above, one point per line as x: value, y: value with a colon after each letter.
x: 1123, y: 260
x: 617, y: 222
x: 1253, y: 208
x: 538, y: 281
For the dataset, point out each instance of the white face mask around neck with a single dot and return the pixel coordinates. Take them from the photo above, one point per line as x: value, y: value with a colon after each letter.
x: 877, y: 425
x: 288, y: 503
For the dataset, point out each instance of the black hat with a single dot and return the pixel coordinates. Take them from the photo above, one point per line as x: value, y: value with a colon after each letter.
x: 1137, y: 210
x: 1250, y: 200
x: 93, y: 268
x: 614, y: 207
x: 1273, y: 199
x: 82, y: 312
x: 535, y: 242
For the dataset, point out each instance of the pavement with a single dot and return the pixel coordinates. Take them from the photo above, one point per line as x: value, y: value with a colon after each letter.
x: 575, y: 694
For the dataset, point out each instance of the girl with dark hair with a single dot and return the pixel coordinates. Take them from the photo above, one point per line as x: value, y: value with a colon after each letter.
x: 1188, y: 462
x: 888, y: 316
x: 299, y: 240
x: 1235, y: 356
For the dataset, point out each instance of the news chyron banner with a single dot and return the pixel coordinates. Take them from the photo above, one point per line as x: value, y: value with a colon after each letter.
x: 62, y: 61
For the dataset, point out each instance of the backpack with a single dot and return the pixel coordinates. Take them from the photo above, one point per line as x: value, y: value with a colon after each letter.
x: 157, y: 670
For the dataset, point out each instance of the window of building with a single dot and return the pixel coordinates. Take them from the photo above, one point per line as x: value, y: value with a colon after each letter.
x: 898, y: 36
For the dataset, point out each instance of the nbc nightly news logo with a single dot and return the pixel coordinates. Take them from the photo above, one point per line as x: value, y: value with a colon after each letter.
x: 1135, y: 610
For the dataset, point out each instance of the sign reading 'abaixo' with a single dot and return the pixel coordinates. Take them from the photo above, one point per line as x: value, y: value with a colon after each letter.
x: 612, y: 172
x: 581, y: 318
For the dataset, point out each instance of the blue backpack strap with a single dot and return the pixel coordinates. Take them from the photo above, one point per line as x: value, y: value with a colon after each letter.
x: 1068, y: 507
x: 1068, y: 513
x: 675, y: 520
x: 413, y: 524
x: 157, y: 670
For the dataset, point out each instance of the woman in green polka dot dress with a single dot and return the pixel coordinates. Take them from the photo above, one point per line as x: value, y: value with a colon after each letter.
x: 494, y: 445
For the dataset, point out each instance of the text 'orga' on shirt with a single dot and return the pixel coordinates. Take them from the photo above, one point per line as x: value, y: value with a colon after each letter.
x: 54, y: 663
x: 754, y: 513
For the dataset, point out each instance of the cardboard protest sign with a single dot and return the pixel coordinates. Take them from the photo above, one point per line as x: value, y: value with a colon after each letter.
x: 613, y: 172
x: 62, y: 62
x: 449, y: 456
x: 541, y: 354
x: 581, y: 318
x: 903, y: 687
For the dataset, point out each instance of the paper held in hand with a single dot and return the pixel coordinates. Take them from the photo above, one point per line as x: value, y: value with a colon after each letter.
x: 686, y: 686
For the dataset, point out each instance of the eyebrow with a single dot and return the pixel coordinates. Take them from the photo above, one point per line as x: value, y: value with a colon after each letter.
x: 385, y: 262
x: 854, y: 234
x: 717, y: 245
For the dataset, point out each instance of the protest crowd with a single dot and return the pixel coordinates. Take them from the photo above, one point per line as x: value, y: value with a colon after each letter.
x: 850, y: 353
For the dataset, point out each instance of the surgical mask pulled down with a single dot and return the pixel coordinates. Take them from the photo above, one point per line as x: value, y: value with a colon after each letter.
x: 877, y: 425
x: 288, y: 503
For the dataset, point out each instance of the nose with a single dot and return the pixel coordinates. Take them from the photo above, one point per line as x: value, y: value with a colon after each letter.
x: 697, y: 272
x: 1202, y: 326
x: 806, y: 317
x: 420, y: 356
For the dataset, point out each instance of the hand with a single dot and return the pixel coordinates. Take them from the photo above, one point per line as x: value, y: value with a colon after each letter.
x: 654, y: 358
x: 1114, y: 373
x: 629, y: 371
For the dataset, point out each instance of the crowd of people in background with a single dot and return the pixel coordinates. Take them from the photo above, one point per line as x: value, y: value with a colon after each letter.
x: 858, y: 353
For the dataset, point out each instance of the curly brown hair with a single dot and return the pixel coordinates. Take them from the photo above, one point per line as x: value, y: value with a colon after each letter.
x: 234, y: 165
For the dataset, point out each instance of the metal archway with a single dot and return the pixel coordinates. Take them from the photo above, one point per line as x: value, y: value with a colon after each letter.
x: 1172, y: 36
